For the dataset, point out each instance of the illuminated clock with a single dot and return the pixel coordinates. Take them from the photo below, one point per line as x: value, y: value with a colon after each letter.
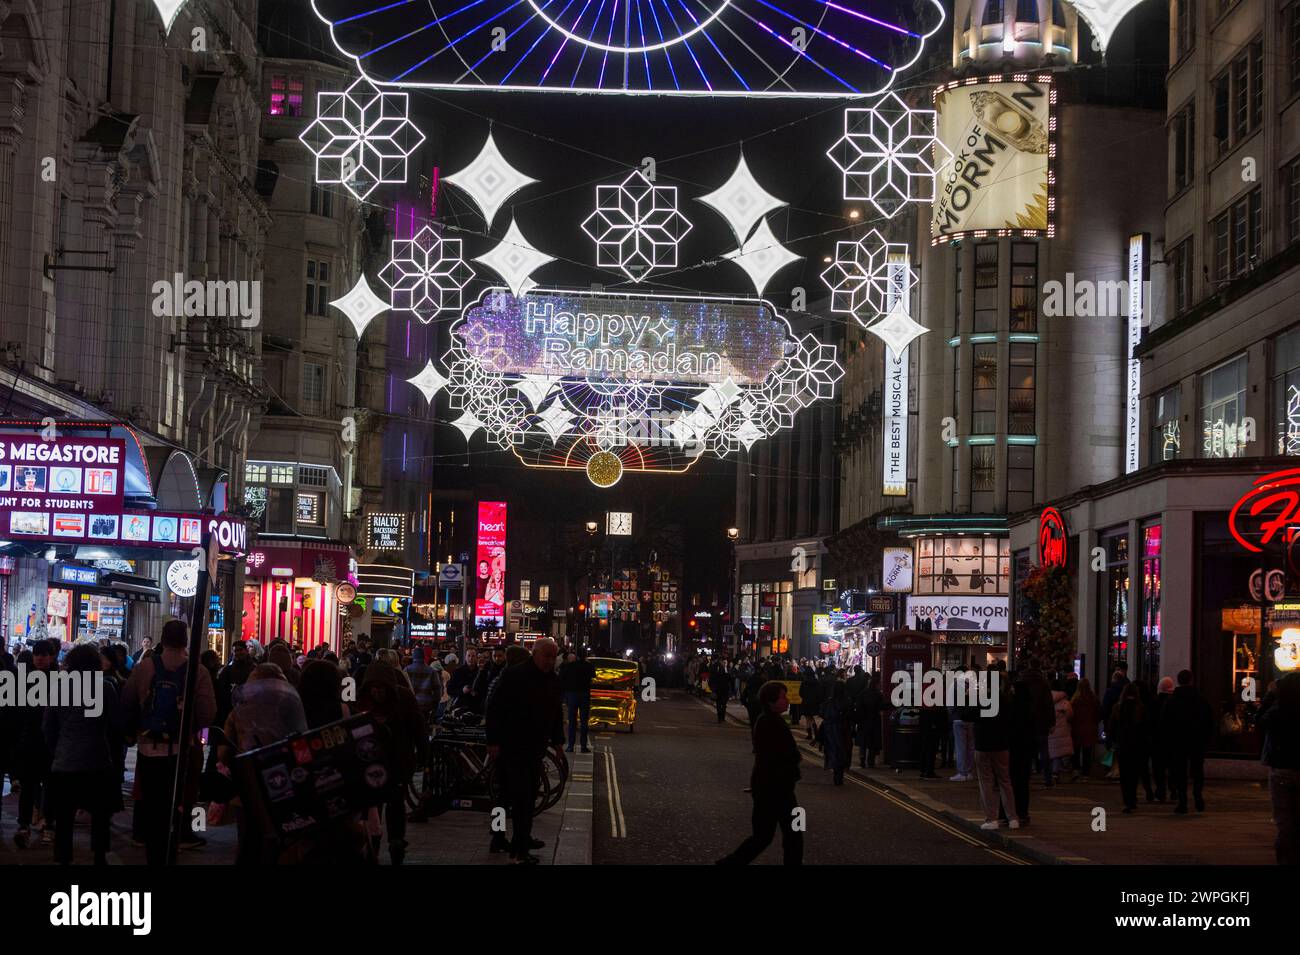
x: 618, y: 523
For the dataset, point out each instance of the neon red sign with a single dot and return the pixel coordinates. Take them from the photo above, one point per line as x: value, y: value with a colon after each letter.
x: 1051, y: 538
x: 1277, y: 493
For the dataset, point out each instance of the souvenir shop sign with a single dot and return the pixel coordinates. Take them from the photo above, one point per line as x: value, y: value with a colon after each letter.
x: 54, y: 490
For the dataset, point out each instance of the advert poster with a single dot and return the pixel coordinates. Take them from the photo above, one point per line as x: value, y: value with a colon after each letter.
x: 490, y: 562
x: 69, y: 487
x: 999, y: 174
x: 987, y: 614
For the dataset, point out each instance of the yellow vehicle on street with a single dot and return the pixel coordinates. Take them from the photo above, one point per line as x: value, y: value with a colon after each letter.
x: 613, y: 693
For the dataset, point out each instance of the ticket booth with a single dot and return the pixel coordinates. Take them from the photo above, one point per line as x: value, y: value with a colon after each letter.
x: 903, y: 650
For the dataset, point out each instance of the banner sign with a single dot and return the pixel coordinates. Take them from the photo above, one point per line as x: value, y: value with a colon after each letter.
x: 999, y: 177
x: 490, y: 561
x: 959, y: 613
x: 1138, y: 254
x: 385, y: 531
x: 896, y: 574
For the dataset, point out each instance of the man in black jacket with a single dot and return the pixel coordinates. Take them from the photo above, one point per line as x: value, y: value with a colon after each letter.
x: 776, y: 770
x: 1186, y: 725
x: 1279, y: 717
x: 526, y: 714
x: 576, y: 675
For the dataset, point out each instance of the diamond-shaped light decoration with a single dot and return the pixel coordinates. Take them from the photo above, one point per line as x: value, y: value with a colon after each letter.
x: 898, y: 329
x: 1104, y: 16
x: 747, y: 434
x: 888, y: 154
x: 467, y: 424
x: 555, y: 420
x: 515, y: 259
x: 168, y: 9
x: 360, y: 305
x: 536, y: 387
x: 636, y: 226
x: 361, y: 137
x: 761, y: 256
x: 742, y: 201
x: 489, y: 180
x: 426, y: 274
x: 429, y: 381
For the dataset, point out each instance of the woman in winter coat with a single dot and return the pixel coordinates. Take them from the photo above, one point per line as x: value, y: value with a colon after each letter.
x: 1060, y: 741
x: 1083, y: 727
x: 387, y: 696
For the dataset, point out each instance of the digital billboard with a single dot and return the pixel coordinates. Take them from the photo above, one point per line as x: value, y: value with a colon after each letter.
x: 490, y: 563
x: 998, y: 179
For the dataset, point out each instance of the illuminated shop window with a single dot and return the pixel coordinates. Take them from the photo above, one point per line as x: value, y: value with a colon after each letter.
x: 1165, y: 422
x: 986, y: 287
x: 984, y: 389
x: 1286, y: 393
x: 1114, y: 593
x: 254, y: 473
x: 281, y: 473
x: 1149, y: 658
x: 962, y: 565
x: 1223, y: 406
x: 286, y: 95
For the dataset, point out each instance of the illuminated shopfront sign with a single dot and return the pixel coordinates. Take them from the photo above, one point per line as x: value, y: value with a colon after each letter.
x: 385, y: 532
x: 1051, y: 538
x: 63, y: 488
x: 490, y: 562
x: 983, y: 614
x: 1271, y: 505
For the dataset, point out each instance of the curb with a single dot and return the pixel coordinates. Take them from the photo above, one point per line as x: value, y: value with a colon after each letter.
x: 573, y: 844
x: 1034, y: 848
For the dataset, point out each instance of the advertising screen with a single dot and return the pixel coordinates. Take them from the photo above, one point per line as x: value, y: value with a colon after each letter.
x: 998, y: 178
x: 490, y: 562
x: 56, y: 488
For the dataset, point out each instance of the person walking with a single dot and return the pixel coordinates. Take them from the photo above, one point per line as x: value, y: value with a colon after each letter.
x: 1186, y: 725
x: 387, y: 697
x: 837, y: 731
x: 720, y: 687
x: 525, y: 716
x: 32, y: 756
x: 1060, y: 741
x: 869, y: 706
x: 422, y: 676
x: 1125, y: 730
x: 772, y: 782
x: 83, y: 768
x: 1280, y: 720
x: 933, y: 724
x: 576, y: 677
x: 1023, y: 739
x: 964, y: 719
x: 1155, y: 745
x: 153, y: 701
x: 991, y: 738
x: 810, y: 700
x: 1083, y: 727
x: 1118, y: 680
x: 750, y: 698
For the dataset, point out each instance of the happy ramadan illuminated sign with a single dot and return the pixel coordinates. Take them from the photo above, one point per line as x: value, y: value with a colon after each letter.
x: 624, y: 337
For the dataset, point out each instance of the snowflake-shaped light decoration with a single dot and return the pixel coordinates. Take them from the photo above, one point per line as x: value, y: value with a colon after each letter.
x: 888, y: 154
x: 515, y: 259
x: 898, y: 329
x: 866, y: 276
x: 426, y: 274
x: 761, y: 256
x: 489, y: 180
x: 361, y: 137
x: 360, y: 305
x: 636, y: 226
x: 742, y: 201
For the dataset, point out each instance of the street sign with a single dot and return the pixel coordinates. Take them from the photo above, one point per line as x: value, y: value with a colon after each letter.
x: 346, y: 593
x: 451, y: 576
x: 873, y: 648
x: 883, y: 603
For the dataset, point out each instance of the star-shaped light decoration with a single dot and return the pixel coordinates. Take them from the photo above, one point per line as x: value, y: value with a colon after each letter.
x: 898, y: 329
x: 426, y: 274
x: 429, y: 381
x: 361, y: 137
x: 168, y: 10
x: 555, y: 421
x: 742, y: 201
x: 868, y: 275
x: 515, y: 259
x: 536, y: 387
x: 489, y: 180
x: 467, y: 424
x: 888, y: 154
x: 761, y: 256
x: 1104, y: 17
x: 636, y: 226
x: 718, y: 396
x: 748, y: 433
x: 360, y: 305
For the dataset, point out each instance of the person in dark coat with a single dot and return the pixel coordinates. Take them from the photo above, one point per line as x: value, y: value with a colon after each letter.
x: 772, y: 782
x: 1118, y: 680
x: 32, y: 757
x: 933, y: 724
x: 869, y: 706
x: 526, y: 714
x: 1023, y: 739
x: 1156, y: 754
x: 810, y: 700
x: 720, y: 687
x: 1186, y: 726
x: 387, y: 696
x: 855, y: 684
x: 750, y: 696
x: 1279, y: 718
x: 837, y: 731
x: 1124, y: 729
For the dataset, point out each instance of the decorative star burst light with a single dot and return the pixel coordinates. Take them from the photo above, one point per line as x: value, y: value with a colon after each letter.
x: 1104, y: 16
x: 636, y: 226
x: 361, y: 137
x: 742, y: 201
x: 168, y: 10
x: 887, y: 154
x: 761, y: 256
x: 360, y: 305
x: 426, y: 274
x: 489, y: 180
x: 515, y: 259
x: 898, y: 329
x: 772, y: 48
x: 865, y: 276
x: 628, y: 418
x: 429, y: 381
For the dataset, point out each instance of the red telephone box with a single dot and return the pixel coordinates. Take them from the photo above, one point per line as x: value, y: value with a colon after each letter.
x: 903, y: 650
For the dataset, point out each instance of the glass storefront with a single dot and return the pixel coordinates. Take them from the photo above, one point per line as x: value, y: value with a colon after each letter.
x: 1115, y: 594
x: 962, y: 565
x: 1149, y: 654
x: 766, y: 613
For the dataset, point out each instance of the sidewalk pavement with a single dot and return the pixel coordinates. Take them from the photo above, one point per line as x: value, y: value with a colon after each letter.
x: 457, y: 837
x: 1236, y: 828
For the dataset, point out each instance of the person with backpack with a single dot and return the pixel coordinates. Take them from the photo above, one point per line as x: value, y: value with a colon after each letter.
x: 153, y: 700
